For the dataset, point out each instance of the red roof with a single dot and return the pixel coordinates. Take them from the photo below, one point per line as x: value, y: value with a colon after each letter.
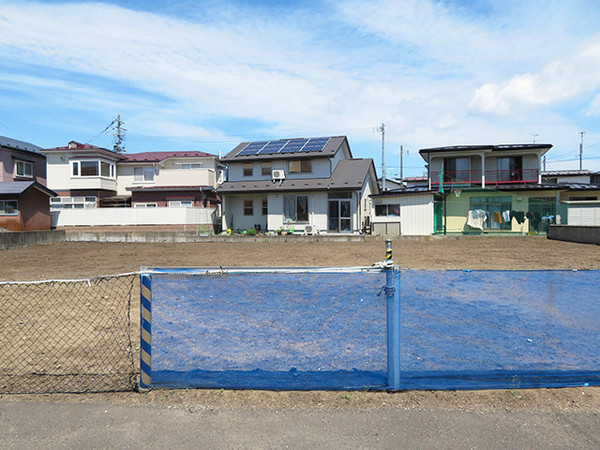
x: 161, y: 156
x: 78, y: 146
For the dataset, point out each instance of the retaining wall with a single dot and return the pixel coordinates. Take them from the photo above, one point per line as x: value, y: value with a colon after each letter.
x: 575, y: 233
x: 26, y: 238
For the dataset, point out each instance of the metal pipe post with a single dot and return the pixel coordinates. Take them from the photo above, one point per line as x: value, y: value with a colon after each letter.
x: 145, y: 331
x: 392, y: 292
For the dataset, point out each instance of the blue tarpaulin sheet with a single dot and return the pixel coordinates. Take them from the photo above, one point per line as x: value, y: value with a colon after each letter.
x: 269, y: 331
x: 458, y: 330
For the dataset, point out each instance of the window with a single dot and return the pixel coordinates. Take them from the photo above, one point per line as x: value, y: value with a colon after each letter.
x: 89, y: 168
x: 456, y: 169
x: 24, y: 169
x: 73, y: 202
x: 295, y: 208
x: 493, y: 205
x: 9, y: 207
x: 248, y: 208
x: 582, y: 199
x: 510, y: 169
x: 248, y: 169
x: 145, y: 205
x: 191, y: 166
x: 387, y: 210
x: 93, y: 168
x: 266, y: 168
x: 104, y: 169
x: 143, y: 174
x: 301, y: 166
x: 181, y: 203
x: 265, y: 208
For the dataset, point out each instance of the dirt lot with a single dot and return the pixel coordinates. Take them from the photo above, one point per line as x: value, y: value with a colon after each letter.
x: 85, y: 259
x: 76, y: 260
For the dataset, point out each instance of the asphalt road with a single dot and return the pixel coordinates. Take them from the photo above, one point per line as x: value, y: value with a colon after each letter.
x: 35, y: 424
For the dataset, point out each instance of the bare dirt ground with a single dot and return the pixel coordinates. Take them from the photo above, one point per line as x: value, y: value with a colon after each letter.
x: 77, y: 260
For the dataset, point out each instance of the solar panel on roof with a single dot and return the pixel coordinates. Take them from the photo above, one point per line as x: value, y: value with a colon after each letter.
x: 294, y: 145
x: 252, y: 148
x: 315, y: 145
x: 272, y: 147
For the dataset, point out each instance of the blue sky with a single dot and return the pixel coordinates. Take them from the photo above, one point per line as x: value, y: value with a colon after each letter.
x: 206, y: 75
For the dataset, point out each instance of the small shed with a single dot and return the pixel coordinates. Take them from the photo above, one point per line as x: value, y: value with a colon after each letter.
x: 405, y: 211
x: 25, y: 206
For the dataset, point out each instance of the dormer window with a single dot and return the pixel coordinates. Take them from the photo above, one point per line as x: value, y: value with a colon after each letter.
x: 24, y: 169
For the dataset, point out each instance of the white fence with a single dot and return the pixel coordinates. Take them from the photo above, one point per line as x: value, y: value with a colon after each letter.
x: 586, y: 215
x: 133, y: 216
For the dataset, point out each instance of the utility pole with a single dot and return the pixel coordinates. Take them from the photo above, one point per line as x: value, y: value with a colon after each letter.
x: 402, y: 166
x: 544, y: 169
x: 381, y: 130
x: 581, y: 150
x: 119, y: 135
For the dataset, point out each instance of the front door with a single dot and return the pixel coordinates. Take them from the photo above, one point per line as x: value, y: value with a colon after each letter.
x: 340, y: 215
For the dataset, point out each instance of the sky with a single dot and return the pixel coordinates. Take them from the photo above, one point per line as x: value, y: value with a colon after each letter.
x: 207, y: 75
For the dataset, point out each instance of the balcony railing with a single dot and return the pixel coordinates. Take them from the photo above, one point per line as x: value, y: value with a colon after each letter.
x: 468, y: 178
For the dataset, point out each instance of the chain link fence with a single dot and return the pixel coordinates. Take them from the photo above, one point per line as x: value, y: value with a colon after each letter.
x: 67, y: 336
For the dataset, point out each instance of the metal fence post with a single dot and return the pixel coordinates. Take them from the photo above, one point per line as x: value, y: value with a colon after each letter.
x: 392, y: 292
x: 145, y: 331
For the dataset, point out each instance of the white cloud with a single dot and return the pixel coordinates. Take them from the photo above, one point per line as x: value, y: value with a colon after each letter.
x: 556, y: 82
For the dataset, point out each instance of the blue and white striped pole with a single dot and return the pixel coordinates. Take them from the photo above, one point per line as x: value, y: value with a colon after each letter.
x: 392, y: 293
x: 145, y: 331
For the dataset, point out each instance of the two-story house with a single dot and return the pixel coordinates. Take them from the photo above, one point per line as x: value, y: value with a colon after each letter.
x: 168, y: 179
x: 98, y: 186
x: 83, y: 175
x: 486, y: 189
x: 23, y: 192
x: 310, y: 185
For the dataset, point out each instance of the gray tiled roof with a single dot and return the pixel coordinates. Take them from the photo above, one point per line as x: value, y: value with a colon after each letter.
x: 19, y: 145
x: 18, y: 187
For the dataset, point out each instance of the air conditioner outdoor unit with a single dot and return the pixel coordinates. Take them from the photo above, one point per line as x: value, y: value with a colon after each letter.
x: 278, y: 174
x: 308, y: 229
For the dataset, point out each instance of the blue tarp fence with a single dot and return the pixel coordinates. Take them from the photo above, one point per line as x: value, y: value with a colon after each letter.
x: 369, y: 328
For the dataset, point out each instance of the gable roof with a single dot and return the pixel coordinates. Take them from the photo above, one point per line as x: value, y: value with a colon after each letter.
x: 161, y: 156
x: 18, y: 187
x: 348, y: 175
x: 18, y: 145
x: 331, y: 147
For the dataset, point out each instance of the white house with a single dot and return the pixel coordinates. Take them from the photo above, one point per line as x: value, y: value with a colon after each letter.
x: 311, y: 185
x: 97, y: 186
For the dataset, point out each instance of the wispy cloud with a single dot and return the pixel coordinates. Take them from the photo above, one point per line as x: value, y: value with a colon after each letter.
x: 436, y: 72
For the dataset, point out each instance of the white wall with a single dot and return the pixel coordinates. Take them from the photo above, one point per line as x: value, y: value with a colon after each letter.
x: 584, y: 215
x: 167, y: 174
x: 234, y: 212
x: 132, y: 216
x: 416, y: 213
